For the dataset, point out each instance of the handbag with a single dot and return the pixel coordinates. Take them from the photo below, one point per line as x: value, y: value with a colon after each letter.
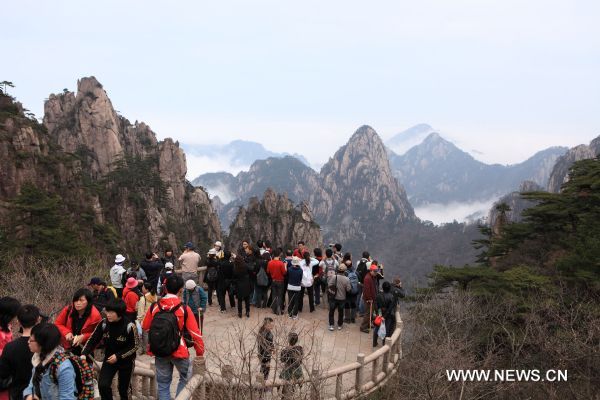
x: 378, y: 320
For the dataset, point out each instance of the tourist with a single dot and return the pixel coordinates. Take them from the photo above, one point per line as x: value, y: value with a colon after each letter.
x: 9, y: 307
x: 266, y: 346
x: 212, y: 274
x: 362, y: 269
x: 225, y: 283
x: 101, y: 294
x: 241, y: 277
x: 328, y: 267
x: 288, y: 264
x: 168, y: 257
x: 118, y: 275
x: 120, y: 338
x: 134, y: 271
x: 189, y: 260
x: 149, y: 297
x: 44, y: 343
x: 351, y: 296
x: 277, y: 271
x: 306, y: 264
x: 398, y: 290
x: 317, y: 276
x: 338, y: 286
x: 77, y: 321
x: 369, y: 295
x: 299, y: 251
x: 195, y: 298
x: 386, y: 309
x: 251, y: 258
x: 168, y: 271
x: 291, y: 358
x: 218, y: 248
x: 131, y: 296
x: 179, y: 357
x: 152, y: 267
x: 262, y: 281
x: 294, y: 275
x: 337, y: 252
x: 15, y: 361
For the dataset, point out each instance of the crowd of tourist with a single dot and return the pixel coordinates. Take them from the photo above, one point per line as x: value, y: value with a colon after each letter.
x: 154, y: 308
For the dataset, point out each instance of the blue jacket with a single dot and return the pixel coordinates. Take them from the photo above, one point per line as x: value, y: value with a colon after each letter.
x: 64, y: 390
x: 196, y: 299
x: 294, y: 275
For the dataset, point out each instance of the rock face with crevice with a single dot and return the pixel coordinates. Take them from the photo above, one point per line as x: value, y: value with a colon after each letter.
x: 277, y: 219
x: 560, y: 172
x: 121, y: 180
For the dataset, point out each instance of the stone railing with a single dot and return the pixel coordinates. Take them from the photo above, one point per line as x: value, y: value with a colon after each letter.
x: 348, y: 381
x: 143, y: 381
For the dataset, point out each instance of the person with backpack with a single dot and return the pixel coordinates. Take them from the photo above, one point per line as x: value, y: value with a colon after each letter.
x: 149, y: 297
x: 167, y: 323
x: 77, y: 321
x: 291, y: 358
x: 212, y: 274
x: 195, y: 298
x: 362, y: 269
x: 15, y: 361
x: 225, y: 282
x: 369, y: 297
x: 121, y: 341
x: 317, y: 272
x: 276, y: 269
x: 101, y: 294
x: 350, y: 305
x: 53, y: 375
x: 251, y: 257
x: 306, y: 285
x: 241, y: 278
x: 168, y: 271
x: 131, y: 296
x: 262, y: 281
x: 328, y: 267
x: 294, y: 287
x: 337, y: 252
x: 134, y: 271
x: 386, y: 309
x: 118, y: 274
x: 338, y: 286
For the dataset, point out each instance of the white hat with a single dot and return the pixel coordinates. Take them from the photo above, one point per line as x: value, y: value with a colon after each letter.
x: 169, y: 265
x: 190, y: 284
x: 212, y: 252
x: 119, y: 258
x: 218, y: 244
x: 296, y: 260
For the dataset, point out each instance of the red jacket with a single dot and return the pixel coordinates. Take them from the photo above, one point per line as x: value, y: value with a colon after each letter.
x: 167, y: 303
x: 64, y: 321
x: 370, y: 288
x: 130, y: 297
x: 276, y: 270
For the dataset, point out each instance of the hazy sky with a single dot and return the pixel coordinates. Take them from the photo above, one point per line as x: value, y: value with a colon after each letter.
x: 506, y: 78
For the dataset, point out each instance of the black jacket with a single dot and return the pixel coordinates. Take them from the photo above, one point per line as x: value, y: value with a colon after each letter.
x: 386, y: 303
x: 101, y: 299
x: 242, y: 282
x: 120, y: 338
x: 16, y: 363
x: 225, y: 274
x: 152, y: 270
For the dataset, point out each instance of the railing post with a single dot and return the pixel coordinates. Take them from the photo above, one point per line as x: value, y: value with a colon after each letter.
x: 359, y: 372
x: 374, y: 370
x: 152, y: 383
x: 338, y: 386
x: 386, y: 356
x: 316, y: 384
x: 199, y: 368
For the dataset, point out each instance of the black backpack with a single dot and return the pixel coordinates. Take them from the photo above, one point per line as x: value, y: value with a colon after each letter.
x: 361, y: 271
x: 164, y: 336
x: 212, y: 274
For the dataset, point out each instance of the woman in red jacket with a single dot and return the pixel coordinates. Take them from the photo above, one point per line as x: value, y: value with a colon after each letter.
x: 77, y: 321
x: 131, y: 296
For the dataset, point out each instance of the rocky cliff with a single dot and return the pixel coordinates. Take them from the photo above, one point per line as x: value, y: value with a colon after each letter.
x: 516, y: 203
x: 121, y: 179
x: 560, y: 172
x: 277, y: 219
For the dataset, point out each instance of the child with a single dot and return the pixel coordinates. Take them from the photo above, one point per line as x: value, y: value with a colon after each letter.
x: 291, y: 357
x: 149, y: 297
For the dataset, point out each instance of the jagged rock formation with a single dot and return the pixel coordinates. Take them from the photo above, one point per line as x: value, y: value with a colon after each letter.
x: 516, y: 203
x: 560, y: 172
x: 363, y: 194
x: 354, y: 193
x: 436, y: 171
x: 275, y: 218
x: 122, y: 178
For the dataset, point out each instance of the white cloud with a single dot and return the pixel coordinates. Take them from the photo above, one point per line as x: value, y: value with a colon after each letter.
x: 198, y: 165
x: 441, y: 213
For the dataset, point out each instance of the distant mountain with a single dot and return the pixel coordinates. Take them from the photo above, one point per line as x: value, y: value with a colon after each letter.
x: 560, y: 172
x: 406, y: 140
x: 436, y: 171
x: 236, y: 155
